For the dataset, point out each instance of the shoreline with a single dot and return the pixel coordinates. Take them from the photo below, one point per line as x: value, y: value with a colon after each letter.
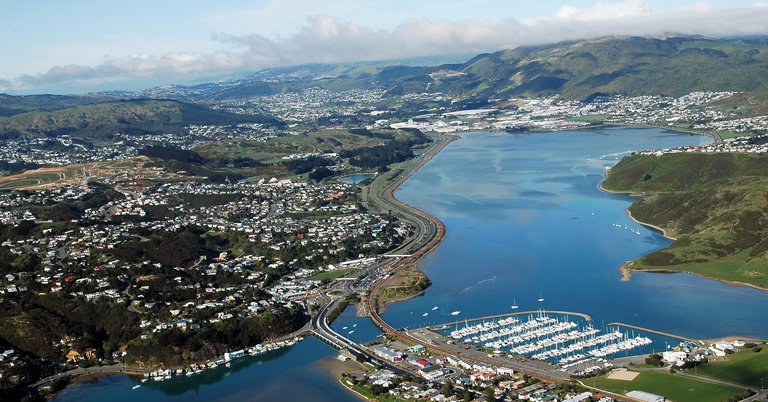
x: 81, y: 376
x: 88, y: 378
x: 349, y: 389
x: 715, y: 136
x: 651, y: 226
x: 626, y: 270
x: 387, y: 195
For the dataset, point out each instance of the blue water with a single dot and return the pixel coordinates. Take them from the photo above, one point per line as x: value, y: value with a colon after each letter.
x: 290, y: 374
x: 362, y: 329
x: 525, y: 219
x: 355, y: 178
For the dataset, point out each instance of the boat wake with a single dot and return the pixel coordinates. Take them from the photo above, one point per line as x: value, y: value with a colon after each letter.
x: 493, y: 279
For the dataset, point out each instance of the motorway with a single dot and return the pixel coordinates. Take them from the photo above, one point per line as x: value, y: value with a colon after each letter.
x: 428, y: 233
x: 321, y: 329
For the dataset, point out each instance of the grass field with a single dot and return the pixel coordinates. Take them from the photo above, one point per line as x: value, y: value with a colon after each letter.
x: 332, y: 274
x: 675, y: 388
x: 730, y: 268
x: 744, y: 367
x: 30, y: 180
x: 273, y: 150
x: 406, y: 283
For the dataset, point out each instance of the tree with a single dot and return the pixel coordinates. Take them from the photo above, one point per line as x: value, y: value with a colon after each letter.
x: 447, y: 389
x: 490, y: 394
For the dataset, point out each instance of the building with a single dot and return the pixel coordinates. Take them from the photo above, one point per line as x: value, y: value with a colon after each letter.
x: 229, y: 356
x: 417, y: 349
x: 645, y: 396
x: 580, y: 397
x: 431, y: 373
x: 421, y: 363
x: 388, y: 354
x: 676, y: 358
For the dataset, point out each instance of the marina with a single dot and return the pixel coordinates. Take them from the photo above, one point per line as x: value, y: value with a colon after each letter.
x: 543, y: 231
x: 565, y: 339
x: 225, y: 360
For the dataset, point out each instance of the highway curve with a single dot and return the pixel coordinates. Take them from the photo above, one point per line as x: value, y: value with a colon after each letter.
x: 429, y: 234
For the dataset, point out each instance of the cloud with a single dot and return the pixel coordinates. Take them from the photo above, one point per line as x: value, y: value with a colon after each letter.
x: 600, y: 11
x: 327, y: 39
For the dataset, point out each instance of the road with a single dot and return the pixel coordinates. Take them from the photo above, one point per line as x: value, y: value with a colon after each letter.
x: 100, y: 370
x: 427, y: 234
x: 320, y: 328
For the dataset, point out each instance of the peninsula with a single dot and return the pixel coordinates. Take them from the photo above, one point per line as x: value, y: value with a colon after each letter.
x: 711, y: 203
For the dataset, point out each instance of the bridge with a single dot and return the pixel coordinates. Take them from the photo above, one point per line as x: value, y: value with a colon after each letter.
x: 321, y: 329
x: 429, y: 233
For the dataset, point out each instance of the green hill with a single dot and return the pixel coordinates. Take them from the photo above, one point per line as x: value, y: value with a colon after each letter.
x: 102, y: 120
x: 628, y: 66
x: 716, y: 205
x: 633, y: 66
x: 12, y: 105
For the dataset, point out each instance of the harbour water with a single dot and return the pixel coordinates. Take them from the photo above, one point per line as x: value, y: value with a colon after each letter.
x: 290, y: 374
x: 525, y: 221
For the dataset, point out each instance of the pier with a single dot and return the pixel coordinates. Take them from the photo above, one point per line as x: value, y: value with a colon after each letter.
x: 653, y: 331
x: 586, y: 317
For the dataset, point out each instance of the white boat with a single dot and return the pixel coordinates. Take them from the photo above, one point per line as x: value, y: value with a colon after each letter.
x: 541, y: 298
x: 425, y: 314
x: 344, y: 327
x: 514, y: 304
x: 137, y: 386
x: 351, y: 332
x: 457, y: 312
x: 435, y: 308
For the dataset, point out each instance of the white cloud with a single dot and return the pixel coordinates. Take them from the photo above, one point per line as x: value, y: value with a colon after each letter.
x: 326, y: 39
x: 761, y: 4
x: 601, y: 11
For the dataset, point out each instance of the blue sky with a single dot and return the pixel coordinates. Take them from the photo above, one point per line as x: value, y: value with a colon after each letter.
x: 76, y: 45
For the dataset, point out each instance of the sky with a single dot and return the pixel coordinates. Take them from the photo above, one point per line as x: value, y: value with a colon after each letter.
x: 75, y: 46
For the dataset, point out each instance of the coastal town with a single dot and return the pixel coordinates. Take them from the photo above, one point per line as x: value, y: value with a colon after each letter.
x: 185, y: 260
x: 696, y: 112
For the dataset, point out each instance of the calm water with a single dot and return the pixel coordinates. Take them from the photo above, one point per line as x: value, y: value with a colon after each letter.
x: 290, y: 374
x: 525, y: 219
x: 356, y: 178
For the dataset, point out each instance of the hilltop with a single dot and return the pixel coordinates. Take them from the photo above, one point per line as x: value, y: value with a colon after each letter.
x: 713, y: 204
x: 584, y: 70
x: 633, y: 66
x: 12, y: 105
x: 102, y: 120
x: 627, y: 66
